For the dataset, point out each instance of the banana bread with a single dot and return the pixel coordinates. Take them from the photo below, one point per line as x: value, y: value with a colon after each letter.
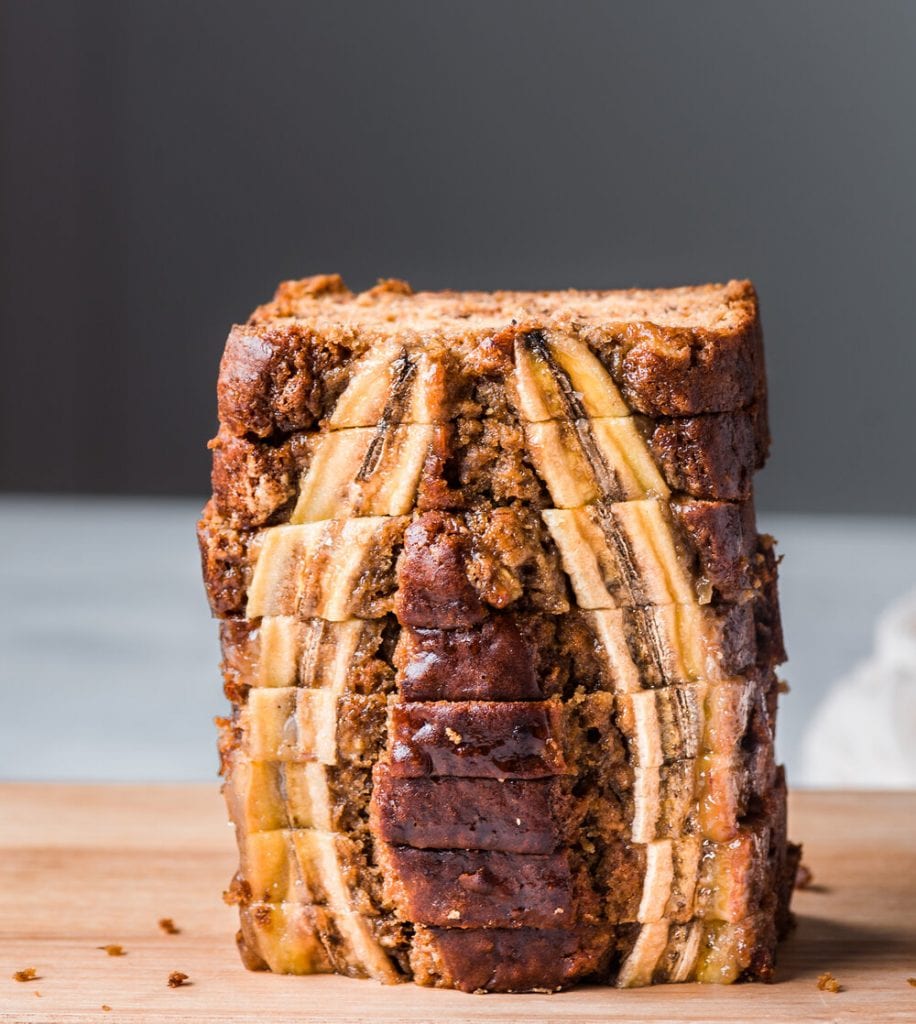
x: 500, y: 636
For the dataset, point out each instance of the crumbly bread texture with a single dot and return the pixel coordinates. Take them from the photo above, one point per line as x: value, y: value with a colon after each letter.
x: 500, y: 637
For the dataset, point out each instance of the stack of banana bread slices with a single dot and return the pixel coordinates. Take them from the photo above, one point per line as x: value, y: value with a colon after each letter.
x: 499, y: 635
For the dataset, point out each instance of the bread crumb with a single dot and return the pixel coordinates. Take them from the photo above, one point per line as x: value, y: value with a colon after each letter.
x: 37, y: 993
x: 455, y: 737
x: 911, y: 981
x: 803, y: 877
x: 106, y: 1007
x: 113, y: 949
x: 26, y: 974
x: 177, y: 979
x: 168, y: 926
x: 454, y: 915
x: 827, y: 983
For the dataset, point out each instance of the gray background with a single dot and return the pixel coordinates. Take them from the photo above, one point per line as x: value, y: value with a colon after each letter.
x: 165, y: 163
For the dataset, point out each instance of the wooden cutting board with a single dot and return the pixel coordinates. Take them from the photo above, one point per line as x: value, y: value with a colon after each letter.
x: 84, y: 866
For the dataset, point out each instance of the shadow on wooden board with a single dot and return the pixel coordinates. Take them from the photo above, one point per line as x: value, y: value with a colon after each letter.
x: 818, y: 944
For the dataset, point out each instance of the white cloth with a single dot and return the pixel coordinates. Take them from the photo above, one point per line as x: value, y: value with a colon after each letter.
x: 864, y: 733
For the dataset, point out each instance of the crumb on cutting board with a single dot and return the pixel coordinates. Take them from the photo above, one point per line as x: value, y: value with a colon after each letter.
x: 911, y: 981
x: 113, y: 949
x: 804, y: 876
x: 26, y: 974
x: 177, y: 979
x: 827, y: 983
x: 106, y: 1007
x: 168, y: 926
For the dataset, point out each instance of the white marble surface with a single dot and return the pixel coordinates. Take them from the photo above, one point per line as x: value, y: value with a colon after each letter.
x: 108, y: 657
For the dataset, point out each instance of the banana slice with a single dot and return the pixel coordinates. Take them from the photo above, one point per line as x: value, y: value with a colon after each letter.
x: 659, y: 880
x: 320, y: 570
x: 562, y: 461
x: 282, y: 555
x: 268, y: 725
x: 278, y: 652
x: 588, y: 377
x: 328, y: 650
x: 559, y: 377
x: 620, y: 555
x: 649, y: 529
x: 270, y: 795
x: 639, y: 966
x: 664, y: 801
x: 391, y: 385
x: 684, y: 945
x: 583, y: 460
x: 364, y: 471
x: 609, y: 628
x: 295, y: 724
x: 662, y: 726
x: 286, y: 938
x: 294, y: 938
x: 710, y: 952
x: 363, y: 401
x: 314, y: 653
x: 347, y: 557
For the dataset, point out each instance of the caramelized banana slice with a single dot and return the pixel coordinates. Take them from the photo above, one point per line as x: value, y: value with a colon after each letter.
x: 688, y: 878
x: 662, y: 726
x: 295, y: 938
x: 285, y: 939
x: 711, y: 952
x: 559, y: 377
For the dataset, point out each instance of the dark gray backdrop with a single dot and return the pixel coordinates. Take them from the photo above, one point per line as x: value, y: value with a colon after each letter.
x: 165, y: 163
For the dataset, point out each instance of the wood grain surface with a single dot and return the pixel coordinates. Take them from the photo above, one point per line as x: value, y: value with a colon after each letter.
x: 84, y: 866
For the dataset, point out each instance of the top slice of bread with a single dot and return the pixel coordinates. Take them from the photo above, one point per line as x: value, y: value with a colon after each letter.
x: 672, y: 352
